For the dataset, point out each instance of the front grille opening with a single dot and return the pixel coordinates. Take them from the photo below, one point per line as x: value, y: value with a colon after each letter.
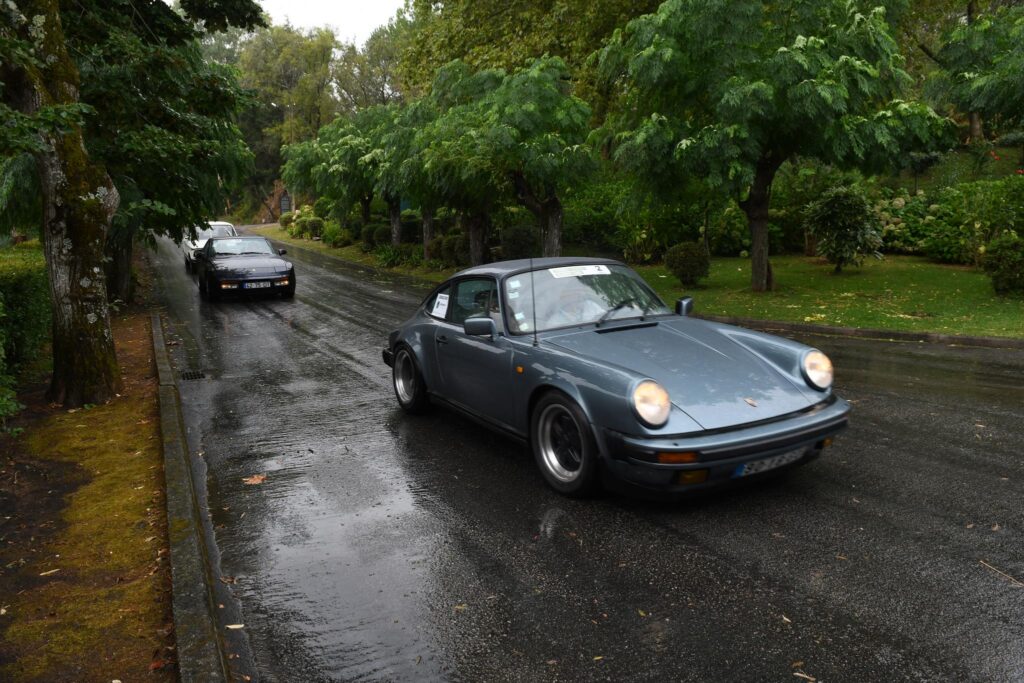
x: 188, y: 375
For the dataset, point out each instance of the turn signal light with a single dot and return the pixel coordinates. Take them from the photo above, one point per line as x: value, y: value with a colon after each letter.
x: 228, y: 285
x: 692, y: 477
x: 677, y: 458
x: 826, y: 442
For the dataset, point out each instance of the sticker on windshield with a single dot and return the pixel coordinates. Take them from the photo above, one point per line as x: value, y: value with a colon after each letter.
x: 520, y: 316
x: 440, y: 306
x: 578, y: 271
x: 514, y: 284
x: 513, y: 295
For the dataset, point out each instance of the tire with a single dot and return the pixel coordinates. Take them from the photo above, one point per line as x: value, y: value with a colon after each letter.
x: 202, y: 288
x: 188, y: 266
x: 407, y: 380
x: 564, y: 446
x: 288, y: 293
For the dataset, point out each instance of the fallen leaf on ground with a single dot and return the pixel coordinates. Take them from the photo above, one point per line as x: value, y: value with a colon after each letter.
x: 598, y: 658
x: 227, y: 579
x: 235, y: 627
x: 804, y: 676
x: 641, y: 612
x: 255, y: 479
x: 52, y: 571
x: 787, y: 619
x: 459, y: 608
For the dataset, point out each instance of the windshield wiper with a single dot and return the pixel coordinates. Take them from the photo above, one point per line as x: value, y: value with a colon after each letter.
x: 258, y: 253
x: 617, y: 307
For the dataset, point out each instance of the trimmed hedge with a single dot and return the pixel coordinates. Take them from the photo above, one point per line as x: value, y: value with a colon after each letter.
x: 689, y: 262
x: 24, y: 314
x: 1004, y: 263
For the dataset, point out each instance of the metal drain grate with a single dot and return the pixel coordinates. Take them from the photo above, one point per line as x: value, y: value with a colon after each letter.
x: 192, y: 374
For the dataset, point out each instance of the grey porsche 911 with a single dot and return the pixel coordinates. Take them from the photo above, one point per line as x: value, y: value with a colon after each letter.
x: 580, y: 358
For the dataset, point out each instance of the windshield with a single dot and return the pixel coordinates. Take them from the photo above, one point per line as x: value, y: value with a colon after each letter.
x: 241, y: 246
x: 215, y: 230
x: 577, y: 295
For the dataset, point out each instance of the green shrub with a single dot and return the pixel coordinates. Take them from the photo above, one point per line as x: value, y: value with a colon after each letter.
x: 689, y: 262
x: 1004, y: 263
x: 387, y: 255
x: 286, y: 219
x: 845, y: 226
x: 520, y: 241
x: 437, y: 249
x: 366, y: 236
x: 314, y: 227
x: 300, y: 227
x: 412, y: 254
x: 331, y: 234
x: 455, y: 250
x: 382, y: 235
x: 323, y: 207
x: 729, y: 232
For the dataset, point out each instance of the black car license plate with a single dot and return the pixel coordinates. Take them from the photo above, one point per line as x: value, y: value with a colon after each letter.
x: 257, y: 285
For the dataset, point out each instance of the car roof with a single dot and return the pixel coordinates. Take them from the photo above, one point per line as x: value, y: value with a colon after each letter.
x: 503, y: 268
x: 238, y: 237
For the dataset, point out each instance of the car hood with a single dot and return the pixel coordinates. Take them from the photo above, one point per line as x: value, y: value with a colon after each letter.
x: 713, y: 379
x: 250, y: 265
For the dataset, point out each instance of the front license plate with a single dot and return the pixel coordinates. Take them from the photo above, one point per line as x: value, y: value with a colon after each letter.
x: 766, y: 464
x: 257, y: 285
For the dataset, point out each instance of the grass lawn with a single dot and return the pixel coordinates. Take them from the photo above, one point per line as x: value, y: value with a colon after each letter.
x: 902, y: 293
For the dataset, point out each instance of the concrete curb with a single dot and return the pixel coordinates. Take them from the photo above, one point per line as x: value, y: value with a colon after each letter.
x: 200, y: 649
x: 866, y: 333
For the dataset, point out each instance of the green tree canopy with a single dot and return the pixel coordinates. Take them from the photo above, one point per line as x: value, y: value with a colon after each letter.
x: 728, y: 91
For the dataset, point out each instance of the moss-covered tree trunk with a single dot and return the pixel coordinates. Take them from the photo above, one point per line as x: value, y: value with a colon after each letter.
x: 428, y: 231
x: 756, y: 206
x: 78, y: 202
x: 395, y: 218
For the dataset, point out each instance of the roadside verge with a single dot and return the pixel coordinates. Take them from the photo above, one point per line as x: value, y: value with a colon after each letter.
x: 756, y: 323
x: 201, y: 655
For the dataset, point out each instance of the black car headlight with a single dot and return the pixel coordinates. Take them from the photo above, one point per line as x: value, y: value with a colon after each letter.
x: 817, y: 369
x: 651, y: 403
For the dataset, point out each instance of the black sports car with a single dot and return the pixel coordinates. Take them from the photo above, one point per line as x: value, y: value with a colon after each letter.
x: 243, y: 264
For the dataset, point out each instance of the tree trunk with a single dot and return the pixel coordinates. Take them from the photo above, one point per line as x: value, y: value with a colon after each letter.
x: 552, y: 217
x: 756, y: 207
x: 476, y: 228
x: 977, y: 127
x: 395, y: 217
x: 428, y: 232
x: 78, y: 202
x: 364, y: 204
x: 120, y: 285
x: 548, y: 211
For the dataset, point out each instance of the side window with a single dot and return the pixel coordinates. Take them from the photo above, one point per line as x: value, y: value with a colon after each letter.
x: 472, y: 299
x: 437, y: 304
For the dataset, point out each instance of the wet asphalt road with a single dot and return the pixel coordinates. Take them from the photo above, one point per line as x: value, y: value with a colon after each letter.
x: 383, y: 547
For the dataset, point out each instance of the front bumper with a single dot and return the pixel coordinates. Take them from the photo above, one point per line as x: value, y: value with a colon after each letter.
x: 233, y: 284
x: 721, y: 455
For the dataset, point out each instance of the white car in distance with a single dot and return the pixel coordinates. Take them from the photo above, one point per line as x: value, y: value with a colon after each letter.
x: 216, y: 229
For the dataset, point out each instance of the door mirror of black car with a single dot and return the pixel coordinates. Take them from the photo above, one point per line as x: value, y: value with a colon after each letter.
x: 480, y: 327
x: 684, y: 306
x: 282, y: 252
x: 198, y: 255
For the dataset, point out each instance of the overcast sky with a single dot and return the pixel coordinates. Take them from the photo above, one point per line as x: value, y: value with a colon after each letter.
x: 352, y: 20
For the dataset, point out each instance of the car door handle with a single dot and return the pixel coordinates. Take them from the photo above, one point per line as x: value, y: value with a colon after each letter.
x: 441, y: 339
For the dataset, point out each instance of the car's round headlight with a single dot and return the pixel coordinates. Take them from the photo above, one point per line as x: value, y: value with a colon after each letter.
x: 651, y: 403
x: 817, y: 370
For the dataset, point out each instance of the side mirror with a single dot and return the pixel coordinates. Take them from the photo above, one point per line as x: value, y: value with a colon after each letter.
x: 198, y: 255
x: 282, y: 252
x: 480, y: 327
x: 684, y: 306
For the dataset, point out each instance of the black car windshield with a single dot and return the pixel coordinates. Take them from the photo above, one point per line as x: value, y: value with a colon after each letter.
x: 577, y: 295
x: 228, y: 247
